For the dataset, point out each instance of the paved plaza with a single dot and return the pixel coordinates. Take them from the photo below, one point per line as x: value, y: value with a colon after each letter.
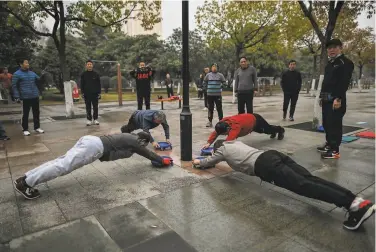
x: 128, y: 205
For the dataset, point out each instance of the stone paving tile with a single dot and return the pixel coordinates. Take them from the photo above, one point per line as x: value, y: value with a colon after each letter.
x: 4, y: 170
x: 131, y: 224
x: 81, y: 235
x: 6, y: 190
x: 291, y: 246
x: 10, y: 225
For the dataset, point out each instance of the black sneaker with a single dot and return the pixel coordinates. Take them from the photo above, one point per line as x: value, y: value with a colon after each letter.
x: 366, y: 210
x: 26, y: 191
x: 291, y: 119
x: 323, y: 149
x: 4, y: 138
x: 281, y: 134
x: 273, y: 135
x: 331, y: 154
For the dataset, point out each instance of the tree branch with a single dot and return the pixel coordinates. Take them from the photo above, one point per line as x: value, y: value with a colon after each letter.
x: 314, y: 24
x: 45, y: 9
x: 25, y: 23
x: 56, y: 25
x: 256, y: 42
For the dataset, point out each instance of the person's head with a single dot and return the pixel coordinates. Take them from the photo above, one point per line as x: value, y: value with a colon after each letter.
x: 206, y: 70
x: 168, y: 76
x: 24, y: 64
x: 222, y: 128
x: 292, y: 65
x: 5, y: 70
x: 201, y: 76
x: 334, y: 47
x: 218, y: 144
x: 89, y: 65
x: 243, y: 62
x: 214, y: 67
x: 128, y: 128
x: 159, y: 117
x: 141, y: 64
x: 143, y: 138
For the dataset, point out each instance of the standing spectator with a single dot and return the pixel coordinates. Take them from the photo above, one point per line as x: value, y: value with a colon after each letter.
x: 91, y: 92
x: 143, y: 75
x: 3, y: 135
x: 214, y: 81
x: 245, y: 84
x: 291, y: 84
x: 337, y: 77
x: 5, y: 84
x: 25, y: 89
x: 199, y: 83
x: 204, y: 87
x: 169, y: 86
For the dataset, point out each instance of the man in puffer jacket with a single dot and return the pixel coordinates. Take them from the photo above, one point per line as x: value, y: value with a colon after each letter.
x: 25, y: 89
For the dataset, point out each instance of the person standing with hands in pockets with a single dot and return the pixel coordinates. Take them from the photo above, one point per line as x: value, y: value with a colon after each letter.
x: 245, y: 85
x: 291, y: 84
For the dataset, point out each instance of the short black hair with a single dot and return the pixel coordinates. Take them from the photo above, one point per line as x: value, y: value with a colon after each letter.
x: 20, y: 61
x: 243, y: 57
x: 218, y: 144
x: 127, y: 128
x: 89, y: 61
x: 221, y: 127
x: 335, y: 42
x: 292, y: 61
x: 144, y: 136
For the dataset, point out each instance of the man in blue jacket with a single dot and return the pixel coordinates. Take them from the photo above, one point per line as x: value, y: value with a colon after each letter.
x: 146, y: 120
x: 25, y: 89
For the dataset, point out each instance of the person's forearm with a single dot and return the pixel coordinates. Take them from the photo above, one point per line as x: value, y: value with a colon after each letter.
x: 146, y: 153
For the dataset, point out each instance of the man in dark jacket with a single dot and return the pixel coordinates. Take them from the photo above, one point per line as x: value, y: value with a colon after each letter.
x: 25, y: 89
x: 199, y: 84
x: 91, y: 92
x: 143, y: 75
x: 87, y: 150
x: 337, y: 77
x: 291, y: 84
x: 147, y: 120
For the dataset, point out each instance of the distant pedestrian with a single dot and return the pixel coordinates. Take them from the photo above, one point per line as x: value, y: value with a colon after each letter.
x: 5, y: 84
x: 143, y: 75
x: 199, y: 83
x: 25, y: 89
x: 91, y: 92
x: 3, y: 135
x: 291, y: 84
x: 245, y: 85
x: 169, y: 85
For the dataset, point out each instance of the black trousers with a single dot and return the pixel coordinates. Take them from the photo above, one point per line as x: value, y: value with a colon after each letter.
x: 332, y: 124
x: 263, y: 127
x: 287, y: 97
x: 170, y: 92
x: 205, y: 99
x: 143, y: 95
x: 200, y: 94
x: 91, y: 100
x: 2, y: 130
x: 34, y: 105
x: 217, y: 100
x: 279, y: 169
x: 245, y: 100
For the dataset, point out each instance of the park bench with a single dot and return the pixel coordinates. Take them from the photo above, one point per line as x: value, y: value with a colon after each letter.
x: 169, y: 100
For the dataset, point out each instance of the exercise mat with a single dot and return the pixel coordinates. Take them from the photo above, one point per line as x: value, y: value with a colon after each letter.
x: 206, y: 152
x: 349, y: 139
x: 366, y: 134
x: 164, y: 146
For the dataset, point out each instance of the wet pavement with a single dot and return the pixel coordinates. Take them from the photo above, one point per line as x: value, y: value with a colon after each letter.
x: 127, y: 205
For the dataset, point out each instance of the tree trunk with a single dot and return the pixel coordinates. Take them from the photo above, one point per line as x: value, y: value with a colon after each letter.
x: 360, y: 71
x: 314, y: 74
x: 323, y: 59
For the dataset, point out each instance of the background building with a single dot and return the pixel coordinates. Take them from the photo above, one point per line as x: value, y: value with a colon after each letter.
x: 133, y: 27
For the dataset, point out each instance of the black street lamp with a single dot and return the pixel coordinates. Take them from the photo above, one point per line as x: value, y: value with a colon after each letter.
x: 185, y: 115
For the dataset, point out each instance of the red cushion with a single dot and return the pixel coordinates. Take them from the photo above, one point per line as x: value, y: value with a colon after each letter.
x: 366, y: 134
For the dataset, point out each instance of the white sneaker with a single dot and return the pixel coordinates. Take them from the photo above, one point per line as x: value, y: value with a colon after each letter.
x: 88, y: 123
x: 215, y: 109
x: 39, y: 130
x: 205, y: 109
x: 96, y: 122
x: 26, y: 133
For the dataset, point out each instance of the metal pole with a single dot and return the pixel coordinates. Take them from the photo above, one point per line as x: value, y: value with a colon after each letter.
x: 185, y: 115
x: 119, y: 84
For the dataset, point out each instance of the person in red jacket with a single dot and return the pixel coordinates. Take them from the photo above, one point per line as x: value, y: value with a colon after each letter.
x: 243, y: 124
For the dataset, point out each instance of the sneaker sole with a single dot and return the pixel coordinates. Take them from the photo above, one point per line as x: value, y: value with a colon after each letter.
x: 335, y: 157
x: 322, y: 151
x: 25, y: 196
x: 365, y: 217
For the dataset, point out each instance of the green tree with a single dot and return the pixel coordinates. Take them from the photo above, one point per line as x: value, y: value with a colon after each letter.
x: 72, y: 16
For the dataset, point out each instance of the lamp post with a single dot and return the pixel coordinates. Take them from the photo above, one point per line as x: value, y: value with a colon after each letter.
x: 185, y: 115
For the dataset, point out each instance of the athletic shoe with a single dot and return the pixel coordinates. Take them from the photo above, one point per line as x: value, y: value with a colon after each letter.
x: 209, y: 125
x: 291, y: 119
x: 356, y: 218
x: 281, y: 134
x: 26, y: 191
x: 205, y: 109
x: 4, y: 138
x: 330, y: 154
x: 88, y: 123
x: 323, y: 149
x: 284, y: 115
x: 96, y: 122
x: 26, y: 133
x: 39, y: 130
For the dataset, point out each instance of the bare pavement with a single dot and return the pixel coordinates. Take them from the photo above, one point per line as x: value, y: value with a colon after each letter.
x: 127, y: 205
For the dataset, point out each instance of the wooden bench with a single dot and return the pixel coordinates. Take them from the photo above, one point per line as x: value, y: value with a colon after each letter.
x: 169, y: 100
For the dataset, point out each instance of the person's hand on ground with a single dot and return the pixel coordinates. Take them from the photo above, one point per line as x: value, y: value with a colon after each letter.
x: 196, y: 161
x: 205, y: 146
x: 336, y: 103
x: 155, y: 144
x: 166, y: 161
x: 168, y: 141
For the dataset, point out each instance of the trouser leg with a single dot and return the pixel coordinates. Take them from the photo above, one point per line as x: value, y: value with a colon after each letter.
x: 241, y: 104
x: 263, y: 127
x: 139, y: 100
x: 210, y: 104
x: 94, y: 102
x: 286, y: 101
x: 147, y: 99
x: 85, y: 151
x: 2, y: 130
x: 36, y: 112
x: 206, y: 99
x: 26, y: 105
x: 249, y: 102
x: 294, y: 100
x: 88, y: 107
x: 333, y: 124
x: 218, y: 104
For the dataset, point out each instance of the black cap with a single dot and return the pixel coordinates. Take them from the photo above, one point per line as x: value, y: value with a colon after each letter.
x: 335, y: 42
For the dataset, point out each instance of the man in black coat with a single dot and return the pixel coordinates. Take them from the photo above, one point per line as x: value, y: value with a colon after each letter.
x: 291, y: 84
x: 143, y: 75
x: 91, y: 92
